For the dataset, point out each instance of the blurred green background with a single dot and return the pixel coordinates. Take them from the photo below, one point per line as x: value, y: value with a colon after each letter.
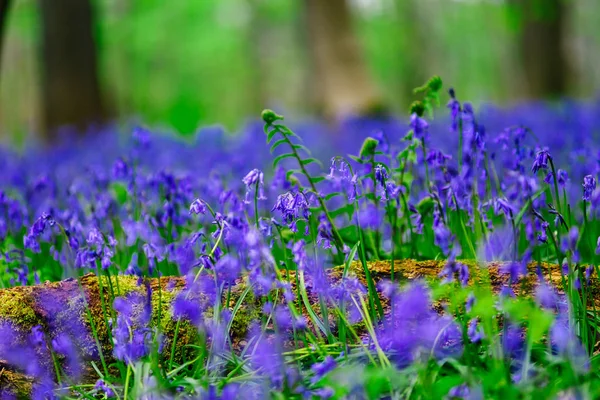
x: 180, y: 64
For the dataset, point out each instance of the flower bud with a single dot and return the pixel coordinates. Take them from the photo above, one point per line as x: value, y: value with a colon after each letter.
x: 270, y: 116
x: 368, y: 147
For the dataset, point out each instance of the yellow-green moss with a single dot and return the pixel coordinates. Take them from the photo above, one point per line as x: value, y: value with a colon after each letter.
x: 122, y: 284
x: 15, y: 383
x: 15, y: 306
x: 247, y: 313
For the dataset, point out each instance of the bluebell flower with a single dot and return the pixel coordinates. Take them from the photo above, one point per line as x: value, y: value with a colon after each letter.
x: 589, y: 185
x: 131, y: 334
x: 253, y: 178
x: 419, y: 126
x: 64, y: 346
x: 120, y: 169
x: 545, y: 296
x: 541, y: 161
x: 474, y: 331
x: 322, y: 368
x: 459, y: 392
x: 381, y: 174
x: 102, y: 387
x: 198, y: 207
x: 454, y: 106
x: 470, y: 302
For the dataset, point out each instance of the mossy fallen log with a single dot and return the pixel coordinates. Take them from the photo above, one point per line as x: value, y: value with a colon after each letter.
x: 72, y: 306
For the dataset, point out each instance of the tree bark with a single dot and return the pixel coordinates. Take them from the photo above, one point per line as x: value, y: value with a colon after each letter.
x: 544, y: 60
x: 4, y: 8
x: 70, y: 86
x: 341, y: 82
x: 57, y: 307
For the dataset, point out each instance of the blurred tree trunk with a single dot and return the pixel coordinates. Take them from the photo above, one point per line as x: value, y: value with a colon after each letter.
x: 341, y: 82
x: 70, y: 87
x: 258, y: 35
x: 412, y: 48
x: 4, y: 7
x: 545, y: 63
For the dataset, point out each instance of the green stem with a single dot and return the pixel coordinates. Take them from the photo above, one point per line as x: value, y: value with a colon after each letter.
x: 256, y: 204
x: 339, y: 242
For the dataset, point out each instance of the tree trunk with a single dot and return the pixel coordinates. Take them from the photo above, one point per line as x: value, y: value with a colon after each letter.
x: 412, y: 50
x: 58, y: 308
x: 545, y: 63
x: 70, y: 86
x: 341, y: 82
x: 4, y: 8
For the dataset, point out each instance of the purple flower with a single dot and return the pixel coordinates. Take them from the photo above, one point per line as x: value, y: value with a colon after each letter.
x: 470, y: 302
x: 501, y: 205
x: 381, y: 174
x: 545, y: 296
x: 453, y: 268
x: 419, y: 126
x: 131, y: 334
x: 589, y: 184
x: 292, y: 205
x: 251, y: 179
x: 454, y: 106
x: 541, y: 161
x: 442, y: 237
x: 562, y: 177
x: 228, y: 268
x: 102, y: 387
x: 198, y: 207
x: 322, y: 368
x: 474, y: 331
x: 459, y: 392
x: 588, y: 273
x: 516, y: 270
x: 300, y: 254
x: 64, y: 346
x: 120, y: 169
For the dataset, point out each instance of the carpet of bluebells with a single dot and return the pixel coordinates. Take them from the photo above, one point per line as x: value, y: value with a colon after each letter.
x: 466, y: 186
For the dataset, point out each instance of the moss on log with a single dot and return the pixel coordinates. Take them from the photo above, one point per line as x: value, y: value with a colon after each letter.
x: 61, y: 306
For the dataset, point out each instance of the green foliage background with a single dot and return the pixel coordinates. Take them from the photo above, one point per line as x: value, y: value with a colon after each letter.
x: 185, y: 63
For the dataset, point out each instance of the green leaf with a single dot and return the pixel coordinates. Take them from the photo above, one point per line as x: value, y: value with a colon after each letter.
x: 425, y: 205
x: 539, y: 323
x: 307, y: 161
x: 356, y: 158
x: 120, y: 192
x: 332, y: 195
x: 288, y: 132
x: 350, y: 258
x: 317, y: 179
x: 347, y: 209
x: 526, y: 206
x: 303, y: 148
x: 277, y: 144
x: 368, y: 147
x: 290, y: 172
x: 278, y: 159
x: 349, y: 234
x: 271, y: 134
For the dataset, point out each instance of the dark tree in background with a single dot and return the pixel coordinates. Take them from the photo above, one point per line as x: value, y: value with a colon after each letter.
x: 543, y: 32
x: 4, y: 7
x: 341, y: 80
x: 70, y: 87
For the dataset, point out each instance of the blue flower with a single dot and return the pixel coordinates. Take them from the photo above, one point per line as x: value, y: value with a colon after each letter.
x: 381, y: 174
x: 589, y: 185
x: 322, y: 368
x: 419, y: 126
x: 198, y: 207
x: 541, y: 161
